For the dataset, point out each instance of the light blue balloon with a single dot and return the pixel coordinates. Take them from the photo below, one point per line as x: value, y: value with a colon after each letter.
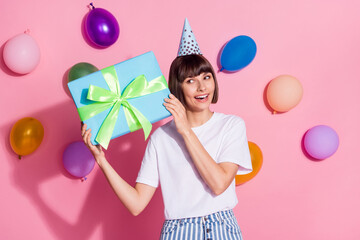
x: 238, y: 53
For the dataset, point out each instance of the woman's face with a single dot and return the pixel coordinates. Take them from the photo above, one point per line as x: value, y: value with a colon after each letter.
x: 198, y: 91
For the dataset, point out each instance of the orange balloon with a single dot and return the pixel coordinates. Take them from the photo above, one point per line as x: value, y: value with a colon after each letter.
x: 256, y: 160
x: 26, y: 136
x: 284, y: 93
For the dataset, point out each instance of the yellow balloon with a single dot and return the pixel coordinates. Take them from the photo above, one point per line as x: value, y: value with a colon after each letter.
x: 284, y: 93
x: 26, y: 136
x: 256, y: 160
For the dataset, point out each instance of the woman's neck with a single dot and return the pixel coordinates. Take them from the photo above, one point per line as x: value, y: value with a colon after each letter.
x: 198, y: 118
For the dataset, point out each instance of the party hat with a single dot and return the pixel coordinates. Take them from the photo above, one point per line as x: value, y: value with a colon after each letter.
x: 188, y: 44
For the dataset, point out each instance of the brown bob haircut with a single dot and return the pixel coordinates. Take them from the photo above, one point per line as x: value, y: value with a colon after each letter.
x: 189, y: 66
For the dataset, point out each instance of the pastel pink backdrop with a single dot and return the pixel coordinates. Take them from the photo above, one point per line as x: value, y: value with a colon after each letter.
x: 293, y: 196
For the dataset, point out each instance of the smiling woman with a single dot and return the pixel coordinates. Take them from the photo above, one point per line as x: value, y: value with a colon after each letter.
x: 202, y: 150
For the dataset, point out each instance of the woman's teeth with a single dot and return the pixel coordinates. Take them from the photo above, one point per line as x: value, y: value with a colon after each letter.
x: 201, y: 97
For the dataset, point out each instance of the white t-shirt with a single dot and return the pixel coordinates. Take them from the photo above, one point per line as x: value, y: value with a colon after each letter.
x: 166, y: 160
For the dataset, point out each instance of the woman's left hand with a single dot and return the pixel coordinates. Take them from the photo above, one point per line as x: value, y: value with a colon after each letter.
x: 175, y: 107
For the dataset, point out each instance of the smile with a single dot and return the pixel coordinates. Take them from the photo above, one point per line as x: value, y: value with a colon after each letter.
x: 202, y: 98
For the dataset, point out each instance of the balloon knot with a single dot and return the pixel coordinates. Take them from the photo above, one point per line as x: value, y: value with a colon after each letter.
x: 222, y: 68
x: 20, y: 157
x: 92, y: 5
x: 27, y: 31
x: 274, y: 112
x: 83, y: 179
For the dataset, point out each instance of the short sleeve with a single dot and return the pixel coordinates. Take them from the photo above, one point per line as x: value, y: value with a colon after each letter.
x: 235, y: 148
x: 148, y: 173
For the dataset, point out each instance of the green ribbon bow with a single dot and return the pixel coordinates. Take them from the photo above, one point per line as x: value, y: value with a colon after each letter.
x: 105, y: 99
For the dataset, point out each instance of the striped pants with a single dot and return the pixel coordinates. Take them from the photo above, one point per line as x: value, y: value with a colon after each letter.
x: 216, y: 226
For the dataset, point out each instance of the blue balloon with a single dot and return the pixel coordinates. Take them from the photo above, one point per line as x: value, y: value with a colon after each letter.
x: 238, y: 53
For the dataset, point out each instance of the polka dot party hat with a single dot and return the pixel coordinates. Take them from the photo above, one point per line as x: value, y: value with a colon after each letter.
x: 188, y: 44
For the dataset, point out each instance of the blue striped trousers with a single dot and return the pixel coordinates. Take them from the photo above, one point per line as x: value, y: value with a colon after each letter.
x: 216, y: 226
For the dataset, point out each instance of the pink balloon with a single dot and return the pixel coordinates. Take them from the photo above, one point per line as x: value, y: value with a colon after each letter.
x: 321, y: 141
x: 21, y: 54
x: 284, y: 93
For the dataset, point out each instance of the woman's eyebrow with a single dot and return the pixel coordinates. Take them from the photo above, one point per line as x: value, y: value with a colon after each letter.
x: 207, y: 74
x: 202, y: 73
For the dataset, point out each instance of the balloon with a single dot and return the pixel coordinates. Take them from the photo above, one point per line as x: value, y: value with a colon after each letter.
x: 238, y: 53
x: 78, y: 160
x: 101, y: 27
x: 256, y: 160
x: 284, y: 93
x: 26, y: 136
x: 81, y: 69
x: 321, y: 142
x: 21, y: 54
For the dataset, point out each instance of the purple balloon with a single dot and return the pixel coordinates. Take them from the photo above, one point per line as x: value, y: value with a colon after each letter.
x: 101, y: 27
x: 78, y: 160
x: 321, y: 141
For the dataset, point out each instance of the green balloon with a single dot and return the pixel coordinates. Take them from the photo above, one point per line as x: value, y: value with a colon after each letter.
x: 81, y: 69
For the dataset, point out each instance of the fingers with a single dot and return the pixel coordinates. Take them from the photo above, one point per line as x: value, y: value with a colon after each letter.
x: 173, y: 99
x: 86, y: 135
x: 175, y: 107
x: 173, y: 103
x: 172, y: 111
x: 88, y: 139
x: 83, y: 128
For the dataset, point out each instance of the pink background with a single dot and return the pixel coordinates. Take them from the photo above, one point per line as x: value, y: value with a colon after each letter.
x: 293, y: 197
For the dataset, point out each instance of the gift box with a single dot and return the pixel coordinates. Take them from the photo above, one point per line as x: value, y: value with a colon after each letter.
x: 121, y: 98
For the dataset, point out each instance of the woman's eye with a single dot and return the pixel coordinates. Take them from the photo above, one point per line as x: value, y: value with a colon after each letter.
x: 207, y: 77
x: 190, y: 81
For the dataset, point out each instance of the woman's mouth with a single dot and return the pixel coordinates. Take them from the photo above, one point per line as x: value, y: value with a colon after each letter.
x: 202, y: 98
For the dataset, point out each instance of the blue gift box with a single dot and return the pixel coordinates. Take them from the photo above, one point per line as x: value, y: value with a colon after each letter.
x: 149, y: 105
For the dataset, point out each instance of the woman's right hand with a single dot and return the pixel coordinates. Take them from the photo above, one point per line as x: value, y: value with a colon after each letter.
x: 97, y: 150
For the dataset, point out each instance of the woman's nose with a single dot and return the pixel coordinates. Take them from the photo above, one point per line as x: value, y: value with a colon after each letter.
x: 201, y: 86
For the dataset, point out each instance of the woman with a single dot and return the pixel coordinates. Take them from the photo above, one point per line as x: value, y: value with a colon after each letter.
x: 194, y: 157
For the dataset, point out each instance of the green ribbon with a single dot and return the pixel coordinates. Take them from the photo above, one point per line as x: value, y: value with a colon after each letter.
x: 105, y: 99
